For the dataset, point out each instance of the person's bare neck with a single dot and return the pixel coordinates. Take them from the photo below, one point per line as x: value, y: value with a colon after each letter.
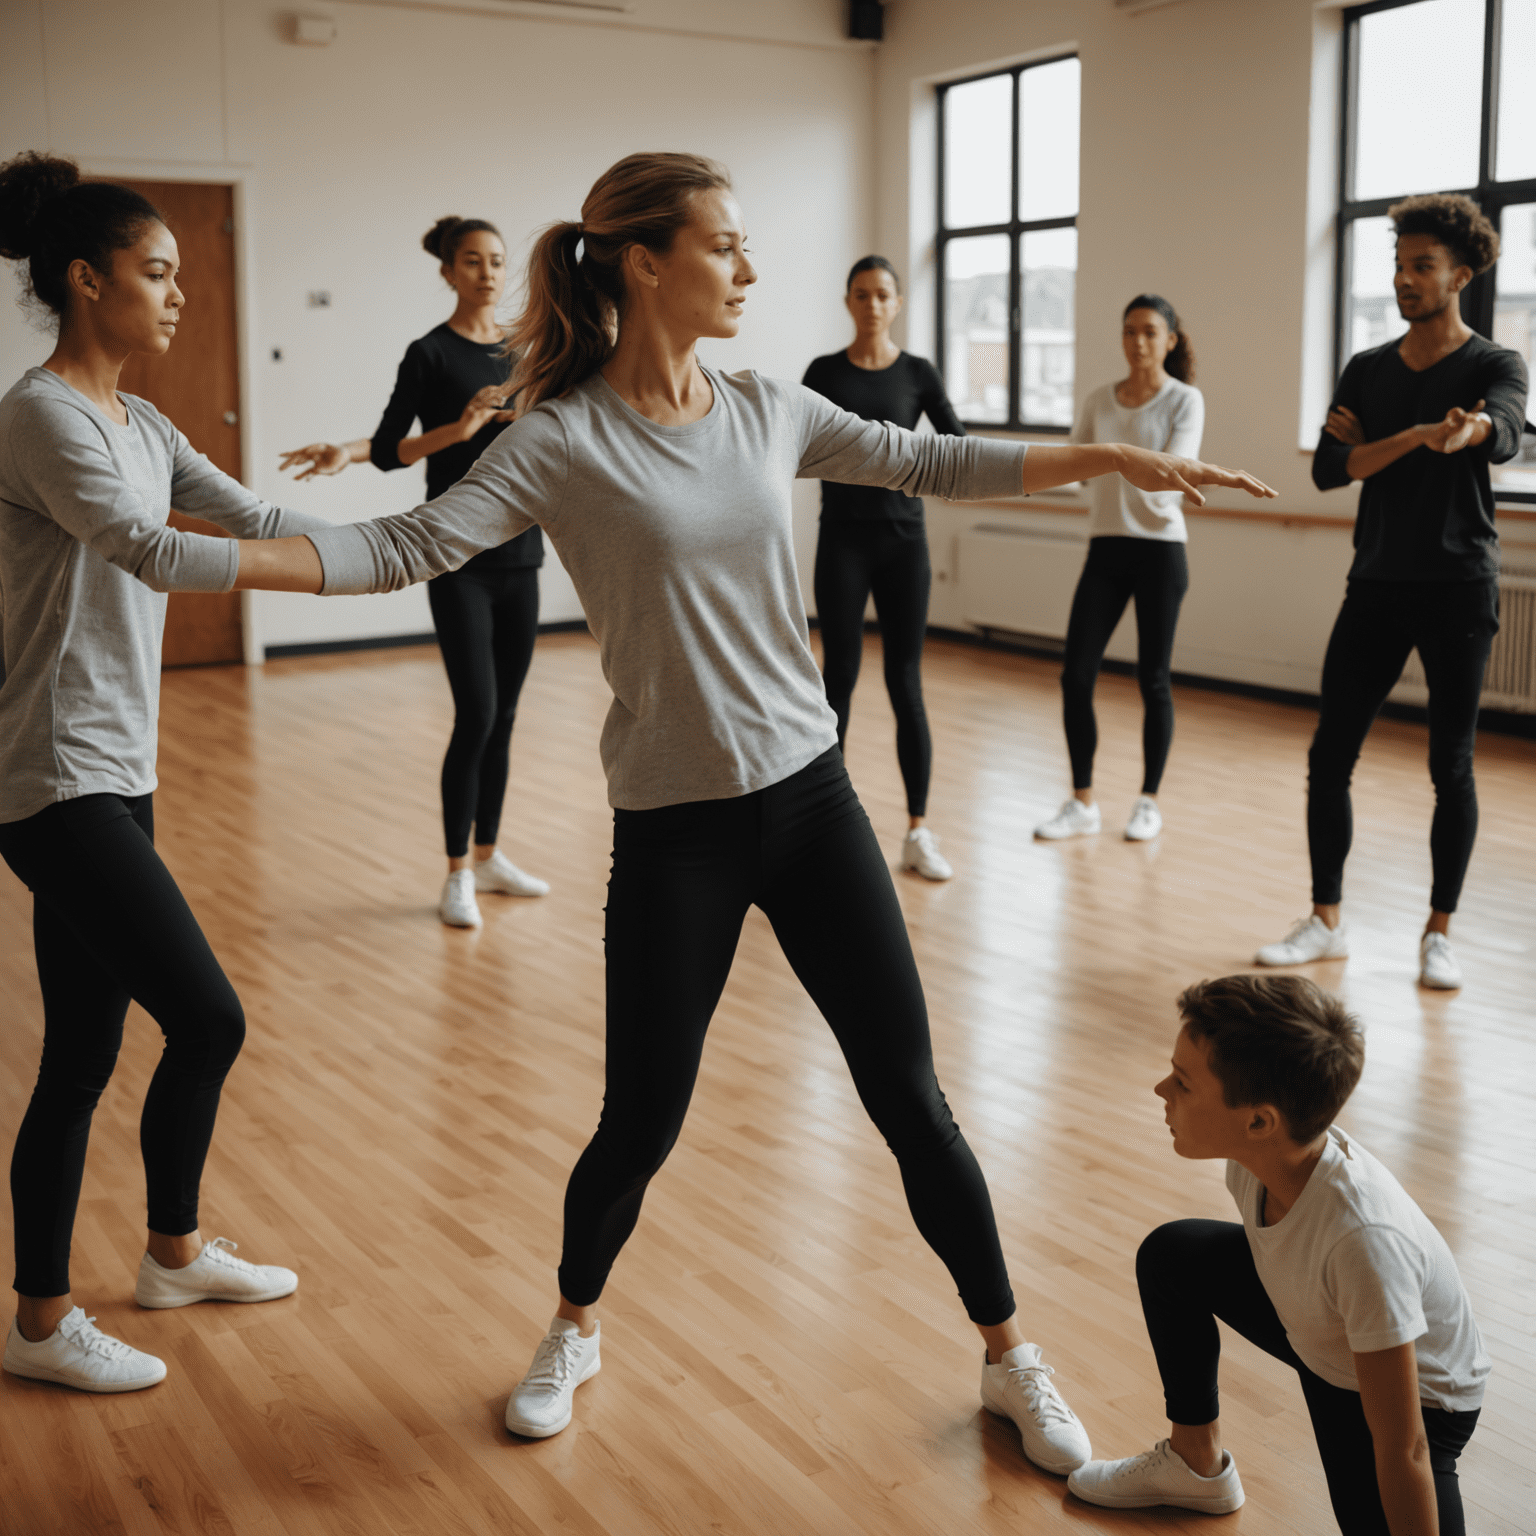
x: 1283, y: 1167
x: 1434, y: 337
x: 86, y: 366
x: 1142, y: 385
x: 873, y: 351
x: 476, y: 322
x: 658, y: 375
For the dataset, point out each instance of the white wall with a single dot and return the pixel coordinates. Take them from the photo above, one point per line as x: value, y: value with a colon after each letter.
x: 1197, y: 182
x: 345, y: 154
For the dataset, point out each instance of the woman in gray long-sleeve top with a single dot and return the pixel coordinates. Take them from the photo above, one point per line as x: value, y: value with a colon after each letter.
x: 665, y: 488
x: 87, y: 480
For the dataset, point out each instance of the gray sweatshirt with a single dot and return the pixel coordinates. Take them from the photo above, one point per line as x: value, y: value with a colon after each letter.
x: 679, y: 542
x: 85, y: 558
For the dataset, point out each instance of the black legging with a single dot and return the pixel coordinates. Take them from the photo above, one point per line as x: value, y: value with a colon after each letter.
x: 1452, y: 624
x: 890, y: 561
x: 487, y: 622
x: 1192, y: 1272
x: 109, y: 925
x: 683, y: 879
x: 1156, y: 573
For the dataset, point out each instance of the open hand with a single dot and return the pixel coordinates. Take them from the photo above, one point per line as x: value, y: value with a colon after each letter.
x: 319, y: 459
x: 488, y: 404
x: 1455, y: 432
x: 1343, y: 424
x: 1149, y: 471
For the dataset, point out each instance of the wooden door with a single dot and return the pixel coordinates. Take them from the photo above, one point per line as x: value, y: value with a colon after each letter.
x: 197, y: 384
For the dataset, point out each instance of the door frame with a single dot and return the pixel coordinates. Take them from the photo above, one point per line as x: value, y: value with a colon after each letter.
x: 241, y: 180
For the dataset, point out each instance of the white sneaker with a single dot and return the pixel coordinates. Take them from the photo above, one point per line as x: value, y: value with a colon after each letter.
x: 540, y: 1404
x: 920, y: 851
x: 457, y: 907
x: 214, y: 1275
x: 1020, y: 1389
x: 1074, y: 819
x: 1146, y: 821
x: 498, y: 873
x: 1158, y: 1476
x: 1437, y: 963
x: 78, y: 1354
x: 1310, y: 939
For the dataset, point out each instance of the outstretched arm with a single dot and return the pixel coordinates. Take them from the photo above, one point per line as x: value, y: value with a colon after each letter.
x: 279, y: 565
x: 325, y: 458
x: 1048, y: 466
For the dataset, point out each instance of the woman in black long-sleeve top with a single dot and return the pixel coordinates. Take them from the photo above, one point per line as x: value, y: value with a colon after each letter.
x: 873, y: 541
x: 454, y: 381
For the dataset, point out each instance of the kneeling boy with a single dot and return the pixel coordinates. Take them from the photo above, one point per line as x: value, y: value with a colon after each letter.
x: 1333, y: 1270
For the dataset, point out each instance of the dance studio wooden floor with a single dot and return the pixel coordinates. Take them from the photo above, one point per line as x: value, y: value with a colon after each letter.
x: 782, y: 1353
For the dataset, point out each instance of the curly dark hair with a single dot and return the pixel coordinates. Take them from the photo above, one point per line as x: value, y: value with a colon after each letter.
x: 1455, y: 221
x: 1278, y: 1040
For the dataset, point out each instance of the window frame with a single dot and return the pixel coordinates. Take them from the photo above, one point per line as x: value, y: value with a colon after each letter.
x: 1492, y: 196
x: 1015, y: 228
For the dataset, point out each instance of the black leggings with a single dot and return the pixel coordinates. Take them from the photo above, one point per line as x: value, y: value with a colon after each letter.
x: 1452, y: 624
x: 1156, y: 573
x: 683, y: 879
x: 890, y: 561
x: 487, y: 621
x: 1192, y: 1272
x: 109, y: 925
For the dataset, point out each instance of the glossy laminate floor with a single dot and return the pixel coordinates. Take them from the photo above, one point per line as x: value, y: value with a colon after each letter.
x: 782, y: 1353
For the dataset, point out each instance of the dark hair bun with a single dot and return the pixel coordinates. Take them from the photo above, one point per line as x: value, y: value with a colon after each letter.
x: 27, y: 182
x: 438, y: 241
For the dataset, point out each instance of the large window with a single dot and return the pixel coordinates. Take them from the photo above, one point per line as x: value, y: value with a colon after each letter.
x: 1007, y: 245
x: 1438, y: 98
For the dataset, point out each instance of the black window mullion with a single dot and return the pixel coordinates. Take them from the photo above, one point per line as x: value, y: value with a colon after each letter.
x: 1015, y: 273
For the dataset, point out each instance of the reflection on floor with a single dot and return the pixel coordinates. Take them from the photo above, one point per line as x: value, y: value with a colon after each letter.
x: 782, y: 1353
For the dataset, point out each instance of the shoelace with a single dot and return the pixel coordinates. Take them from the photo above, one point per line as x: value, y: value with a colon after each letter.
x: 1298, y: 928
x: 222, y: 1251
x: 90, y: 1338
x: 1044, y: 1400
x: 555, y: 1361
x: 1161, y: 1455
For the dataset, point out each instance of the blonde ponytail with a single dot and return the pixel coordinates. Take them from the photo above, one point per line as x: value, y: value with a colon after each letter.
x: 574, y: 297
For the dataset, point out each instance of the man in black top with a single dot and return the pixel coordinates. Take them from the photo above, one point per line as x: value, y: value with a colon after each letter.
x: 1418, y: 421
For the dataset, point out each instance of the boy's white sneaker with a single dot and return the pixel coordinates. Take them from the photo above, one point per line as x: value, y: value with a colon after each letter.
x: 1146, y: 821
x: 1158, y: 1476
x: 540, y: 1404
x: 1310, y: 939
x: 78, y: 1354
x: 458, y: 907
x: 214, y: 1275
x: 498, y: 873
x: 920, y: 851
x: 1020, y: 1388
x: 1437, y: 963
x: 1074, y: 819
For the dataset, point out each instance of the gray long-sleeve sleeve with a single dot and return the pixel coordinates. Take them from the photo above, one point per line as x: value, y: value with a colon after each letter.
x: 680, y: 543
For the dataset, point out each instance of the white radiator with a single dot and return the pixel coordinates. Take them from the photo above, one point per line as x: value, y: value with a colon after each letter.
x: 1018, y: 580
x: 1510, y: 682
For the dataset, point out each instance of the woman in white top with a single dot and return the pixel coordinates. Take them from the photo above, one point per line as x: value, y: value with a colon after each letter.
x: 1135, y: 550
x: 665, y: 488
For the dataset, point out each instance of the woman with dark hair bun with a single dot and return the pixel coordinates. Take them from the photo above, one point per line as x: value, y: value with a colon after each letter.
x: 665, y: 486
x: 486, y: 613
x: 87, y: 481
x: 1136, y: 545
x: 872, y: 540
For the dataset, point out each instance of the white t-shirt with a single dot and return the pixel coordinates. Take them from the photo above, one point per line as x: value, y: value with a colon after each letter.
x: 1355, y: 1266
x: 1172, y: 421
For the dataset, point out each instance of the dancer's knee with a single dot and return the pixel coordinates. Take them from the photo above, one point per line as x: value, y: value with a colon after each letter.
x: 1166, y: 1250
